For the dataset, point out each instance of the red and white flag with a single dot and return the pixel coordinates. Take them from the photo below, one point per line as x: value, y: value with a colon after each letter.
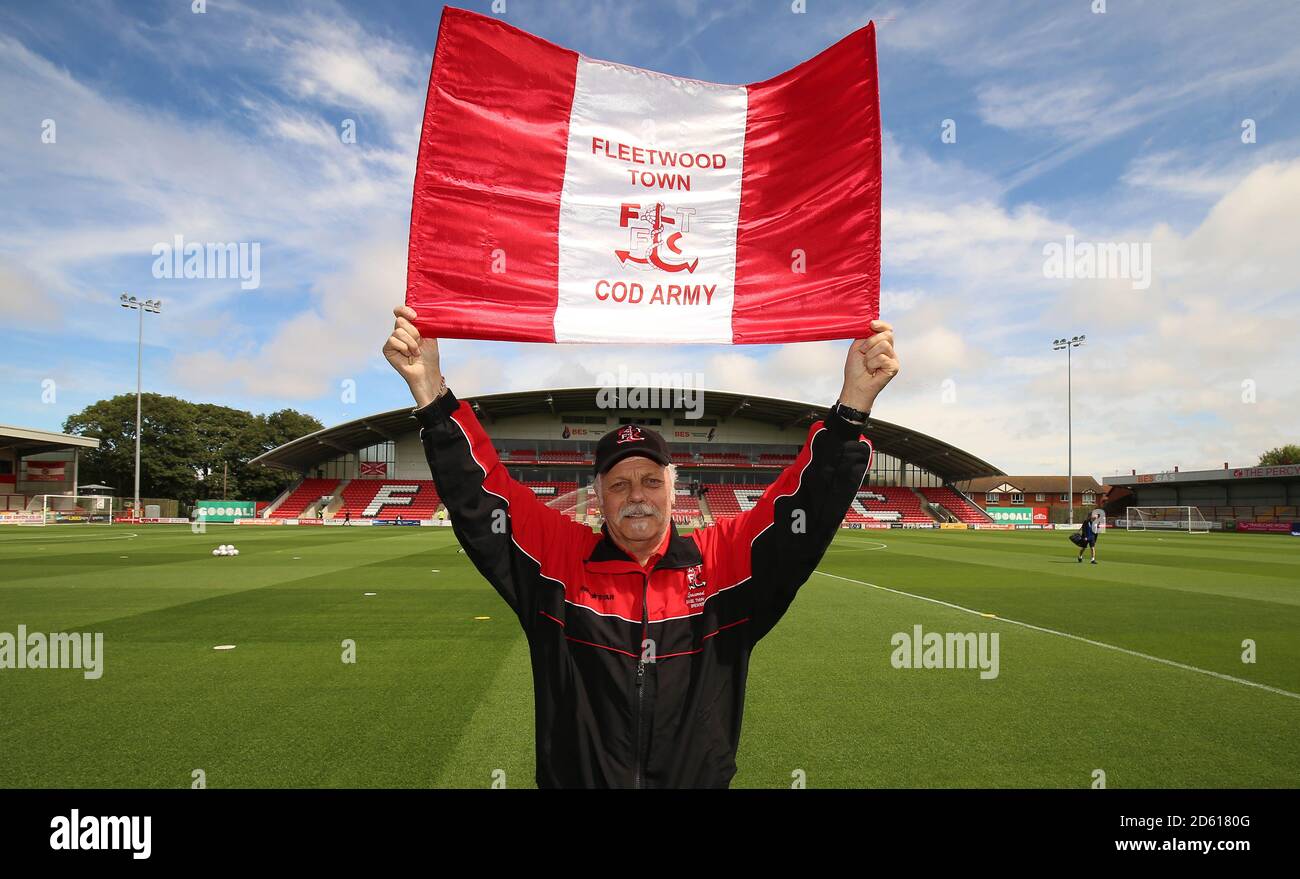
x: 373, y: 468
x: 46, y: 471
x: 559, y: 198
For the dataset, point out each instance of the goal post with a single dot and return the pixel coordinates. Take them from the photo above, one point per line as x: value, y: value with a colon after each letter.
x: 71, y: 509
x: 1187, y: 519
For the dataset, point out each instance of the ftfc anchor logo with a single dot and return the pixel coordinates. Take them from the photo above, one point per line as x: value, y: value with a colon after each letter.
x: 654, y: 232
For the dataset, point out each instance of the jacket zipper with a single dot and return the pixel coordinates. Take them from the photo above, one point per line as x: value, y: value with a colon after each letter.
x: 640, y: 669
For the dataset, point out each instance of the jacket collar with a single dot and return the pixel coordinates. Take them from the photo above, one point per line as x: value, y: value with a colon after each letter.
x: 682, y: 552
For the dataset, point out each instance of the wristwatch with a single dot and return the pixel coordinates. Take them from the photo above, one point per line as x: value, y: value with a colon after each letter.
x: 853, y: 416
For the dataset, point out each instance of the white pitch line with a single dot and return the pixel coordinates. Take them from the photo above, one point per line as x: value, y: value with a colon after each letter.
x: 1140, y: 655
x: 75, y: 538
x: 877, y: 546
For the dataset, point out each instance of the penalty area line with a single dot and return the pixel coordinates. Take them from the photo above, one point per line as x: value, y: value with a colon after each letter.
x: 1080, y: 638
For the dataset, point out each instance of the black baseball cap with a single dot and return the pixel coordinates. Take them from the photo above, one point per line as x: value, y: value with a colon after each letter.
x: 629, y: 440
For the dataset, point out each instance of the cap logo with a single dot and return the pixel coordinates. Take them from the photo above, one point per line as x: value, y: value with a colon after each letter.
x: 630, y: 434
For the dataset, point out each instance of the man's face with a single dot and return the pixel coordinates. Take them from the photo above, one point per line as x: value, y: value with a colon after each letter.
x: 636, y: 498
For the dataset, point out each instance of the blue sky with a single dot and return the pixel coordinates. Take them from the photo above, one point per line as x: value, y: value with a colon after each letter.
x: 1122, y: 126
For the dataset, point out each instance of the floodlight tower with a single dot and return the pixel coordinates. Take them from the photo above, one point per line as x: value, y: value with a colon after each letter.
x: 153, y: 306
x: 1068, y: 344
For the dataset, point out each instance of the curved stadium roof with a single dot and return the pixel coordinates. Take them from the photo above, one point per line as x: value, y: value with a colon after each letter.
x: 946, y: 461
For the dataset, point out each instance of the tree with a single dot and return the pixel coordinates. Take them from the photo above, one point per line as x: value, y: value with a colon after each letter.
x: 166, y: 457
x: 1288, y: 454
x: 266, y: 433
x: 188, y: 448
x: 224, y: 434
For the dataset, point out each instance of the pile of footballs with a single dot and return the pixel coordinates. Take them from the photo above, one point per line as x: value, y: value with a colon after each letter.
x: 226, y: 549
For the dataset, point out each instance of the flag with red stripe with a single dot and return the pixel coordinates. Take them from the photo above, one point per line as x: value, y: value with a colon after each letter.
x: 559, y: 198
x: 46, y: 471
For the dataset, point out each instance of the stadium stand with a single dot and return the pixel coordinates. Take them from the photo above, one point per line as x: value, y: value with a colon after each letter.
x: 724, y: 459
x: 729, y: 500
x: 886, y: 503
x: 566, y: 457
x: 547, y: 437
x: 308, y: 492
x: 686, y: 501
x: 389, y: 499
x: 686, y: 508
x: 873, y: 503
x: 357, y: 495
x: 563, y: 496
x: 956, y: 504
x: 1251, y: 513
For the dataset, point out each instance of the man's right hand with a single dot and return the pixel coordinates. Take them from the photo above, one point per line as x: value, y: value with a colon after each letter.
x: 414, y: 358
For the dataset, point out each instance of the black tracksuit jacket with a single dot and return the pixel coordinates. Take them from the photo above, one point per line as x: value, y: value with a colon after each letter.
x: 639, y: 673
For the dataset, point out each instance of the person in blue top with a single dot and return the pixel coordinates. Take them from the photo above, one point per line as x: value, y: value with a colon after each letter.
x: 1092, y: 526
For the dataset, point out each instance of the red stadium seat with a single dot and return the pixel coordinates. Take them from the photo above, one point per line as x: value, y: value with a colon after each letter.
x: 724, y: 459
x: 568, y: 456
x: 886, y: 503
x: 685, y: 502
x: 562, y: 496
x: 307, y: 493
x: 729, y: 500
x: 963, y: 509
x: 389, y: 499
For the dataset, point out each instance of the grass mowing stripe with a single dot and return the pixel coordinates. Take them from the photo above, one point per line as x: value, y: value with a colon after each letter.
x: 1265, y: 586
x: 1147, y: 656
x: 441, y: 698
x: 498, y: 735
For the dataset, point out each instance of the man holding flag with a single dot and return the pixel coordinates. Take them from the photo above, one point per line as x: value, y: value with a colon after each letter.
x: 639, y: 637
x: 564, y: 198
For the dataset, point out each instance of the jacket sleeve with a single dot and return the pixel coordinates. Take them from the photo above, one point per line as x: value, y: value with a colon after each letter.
x: 516, y: 541
x: 772, y: 549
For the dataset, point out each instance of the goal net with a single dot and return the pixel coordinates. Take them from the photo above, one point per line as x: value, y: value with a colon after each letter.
x: 1166, y: 519
x: 71, y: 509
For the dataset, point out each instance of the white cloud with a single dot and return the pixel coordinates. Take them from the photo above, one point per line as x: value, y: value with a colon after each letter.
x: 21, y: 301
x: 1159, y: 383
x: 338, y: 336
x: 1162, y: 383
x: 335, y: 61
x: 122, y: 177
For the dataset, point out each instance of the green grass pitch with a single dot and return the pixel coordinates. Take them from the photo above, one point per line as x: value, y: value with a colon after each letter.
x: 439, y: 698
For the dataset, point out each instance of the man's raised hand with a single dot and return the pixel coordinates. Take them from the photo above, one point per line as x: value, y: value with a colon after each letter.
x: 415, y: 358
x: 869, y: 367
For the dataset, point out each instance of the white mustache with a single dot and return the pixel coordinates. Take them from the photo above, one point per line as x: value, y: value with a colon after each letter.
x: 642, y: 509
